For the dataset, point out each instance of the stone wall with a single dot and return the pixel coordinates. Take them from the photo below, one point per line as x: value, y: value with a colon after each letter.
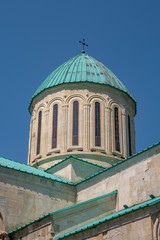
x: 25, y: 197
x: 142, y: 224
x: 138, y: 230
x: 139, y: 225
x: 135, y: 179
x: 41, y: 230
x: 86, y: 95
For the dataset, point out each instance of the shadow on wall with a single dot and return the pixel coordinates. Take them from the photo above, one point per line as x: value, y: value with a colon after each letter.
x: 3, y: 234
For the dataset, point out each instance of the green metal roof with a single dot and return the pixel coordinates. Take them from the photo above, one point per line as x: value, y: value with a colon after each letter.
x: 108, y: 159
x: 4, y: 162
x: 7, y: 163
x: 111, y: 217
x: 75, y: 158
x: 64, y: 209
x: 116, y: 164
x: 120, y: 213
x: 81, y: 68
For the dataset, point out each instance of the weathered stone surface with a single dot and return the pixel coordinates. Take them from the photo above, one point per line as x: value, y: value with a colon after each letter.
x: 25, y: 197
x: 75, y: 170
x: 32, y: 197
x: 80, y: 215
x: 86, y: 95
x: 135, y: 180
x: 41, y: 230
x: 71, y: 218
x: 134, y: 226
x: 4, y: 235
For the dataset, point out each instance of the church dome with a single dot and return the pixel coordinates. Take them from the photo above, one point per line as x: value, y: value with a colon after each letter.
x: 82, y: 109
x: 81, y: 68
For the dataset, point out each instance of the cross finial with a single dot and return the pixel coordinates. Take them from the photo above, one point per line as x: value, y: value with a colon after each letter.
x: 84, y: 44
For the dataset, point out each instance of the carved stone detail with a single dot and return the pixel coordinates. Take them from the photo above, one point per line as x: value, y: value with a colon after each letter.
x: 156, y: 229
x: 4, y: 235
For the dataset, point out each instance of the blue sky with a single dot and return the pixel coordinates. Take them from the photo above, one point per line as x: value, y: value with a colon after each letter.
x: 37, y: 36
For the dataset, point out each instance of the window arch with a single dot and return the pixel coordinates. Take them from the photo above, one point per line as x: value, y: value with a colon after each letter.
x: 97, y: 125
x: 55, y: 126
x: 129, y: 136
x: 75, y: 123
x: 39, y: 132
x: 116, y: 125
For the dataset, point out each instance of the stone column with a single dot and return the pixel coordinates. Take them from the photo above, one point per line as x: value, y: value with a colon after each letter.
x: 133, y: 145
x: 30, y: 142
x: 124, y: 133
x: 86, y: 138
x: 34, y: 140
x: 45, y: 129
x: 65, y: 127
x: 108, y: 136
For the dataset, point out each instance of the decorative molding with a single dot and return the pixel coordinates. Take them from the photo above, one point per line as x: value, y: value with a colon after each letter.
x: 42, y: 105
x: 53, y: 151
x: 96, y: 97
x: 76, y: 95
x: 54, y: 100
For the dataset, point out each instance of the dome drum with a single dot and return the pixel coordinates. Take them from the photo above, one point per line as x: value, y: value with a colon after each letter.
x: 91, y: 126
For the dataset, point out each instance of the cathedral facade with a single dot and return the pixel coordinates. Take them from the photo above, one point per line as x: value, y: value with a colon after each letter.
x: 84, y: 179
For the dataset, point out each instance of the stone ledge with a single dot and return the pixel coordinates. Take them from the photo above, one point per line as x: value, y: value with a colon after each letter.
x: 53, y: 151
x: 75, y: 149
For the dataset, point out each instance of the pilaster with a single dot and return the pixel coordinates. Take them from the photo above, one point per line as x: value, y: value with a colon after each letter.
x: 108, y: 130
x: 124, y: 133
x: 30, y: 142
x: 86, y: 130
x: 133, y: 136
x: 33, y: 141
x: 44, y: 137
x: 65, y: 126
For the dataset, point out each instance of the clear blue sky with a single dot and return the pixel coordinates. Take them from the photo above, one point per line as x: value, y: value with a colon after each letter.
x: 37, y: 36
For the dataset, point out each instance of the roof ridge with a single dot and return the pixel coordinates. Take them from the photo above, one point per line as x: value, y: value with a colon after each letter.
x: 111, y: 216
x: 38, y: 172
x: 88, y: 162
x: 120, y: 162
x: 63, y: 209
x: 20, y: 163
x: 84, y: 202
x: 63, y: 160
x: 80, y: 159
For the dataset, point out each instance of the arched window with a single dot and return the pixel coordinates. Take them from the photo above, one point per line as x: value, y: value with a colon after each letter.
x: 97, y: 125
x: 54, y: 126
x: 75, y: 123
x: 129, y: 136
x: 39, y: 132
x: 116, y: 124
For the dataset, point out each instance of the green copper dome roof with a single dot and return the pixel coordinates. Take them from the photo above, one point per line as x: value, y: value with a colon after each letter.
x: 81, y: 68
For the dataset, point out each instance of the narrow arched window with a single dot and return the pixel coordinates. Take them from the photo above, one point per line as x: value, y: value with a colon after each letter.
x: 129, y: 136
x: 39, y: 132
x: 116, y: 123
x: 54, y: 126
x: 75, y: 123
x: 97, y: 125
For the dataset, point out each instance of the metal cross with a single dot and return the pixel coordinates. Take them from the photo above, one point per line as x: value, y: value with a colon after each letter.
x: 84, y: 44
